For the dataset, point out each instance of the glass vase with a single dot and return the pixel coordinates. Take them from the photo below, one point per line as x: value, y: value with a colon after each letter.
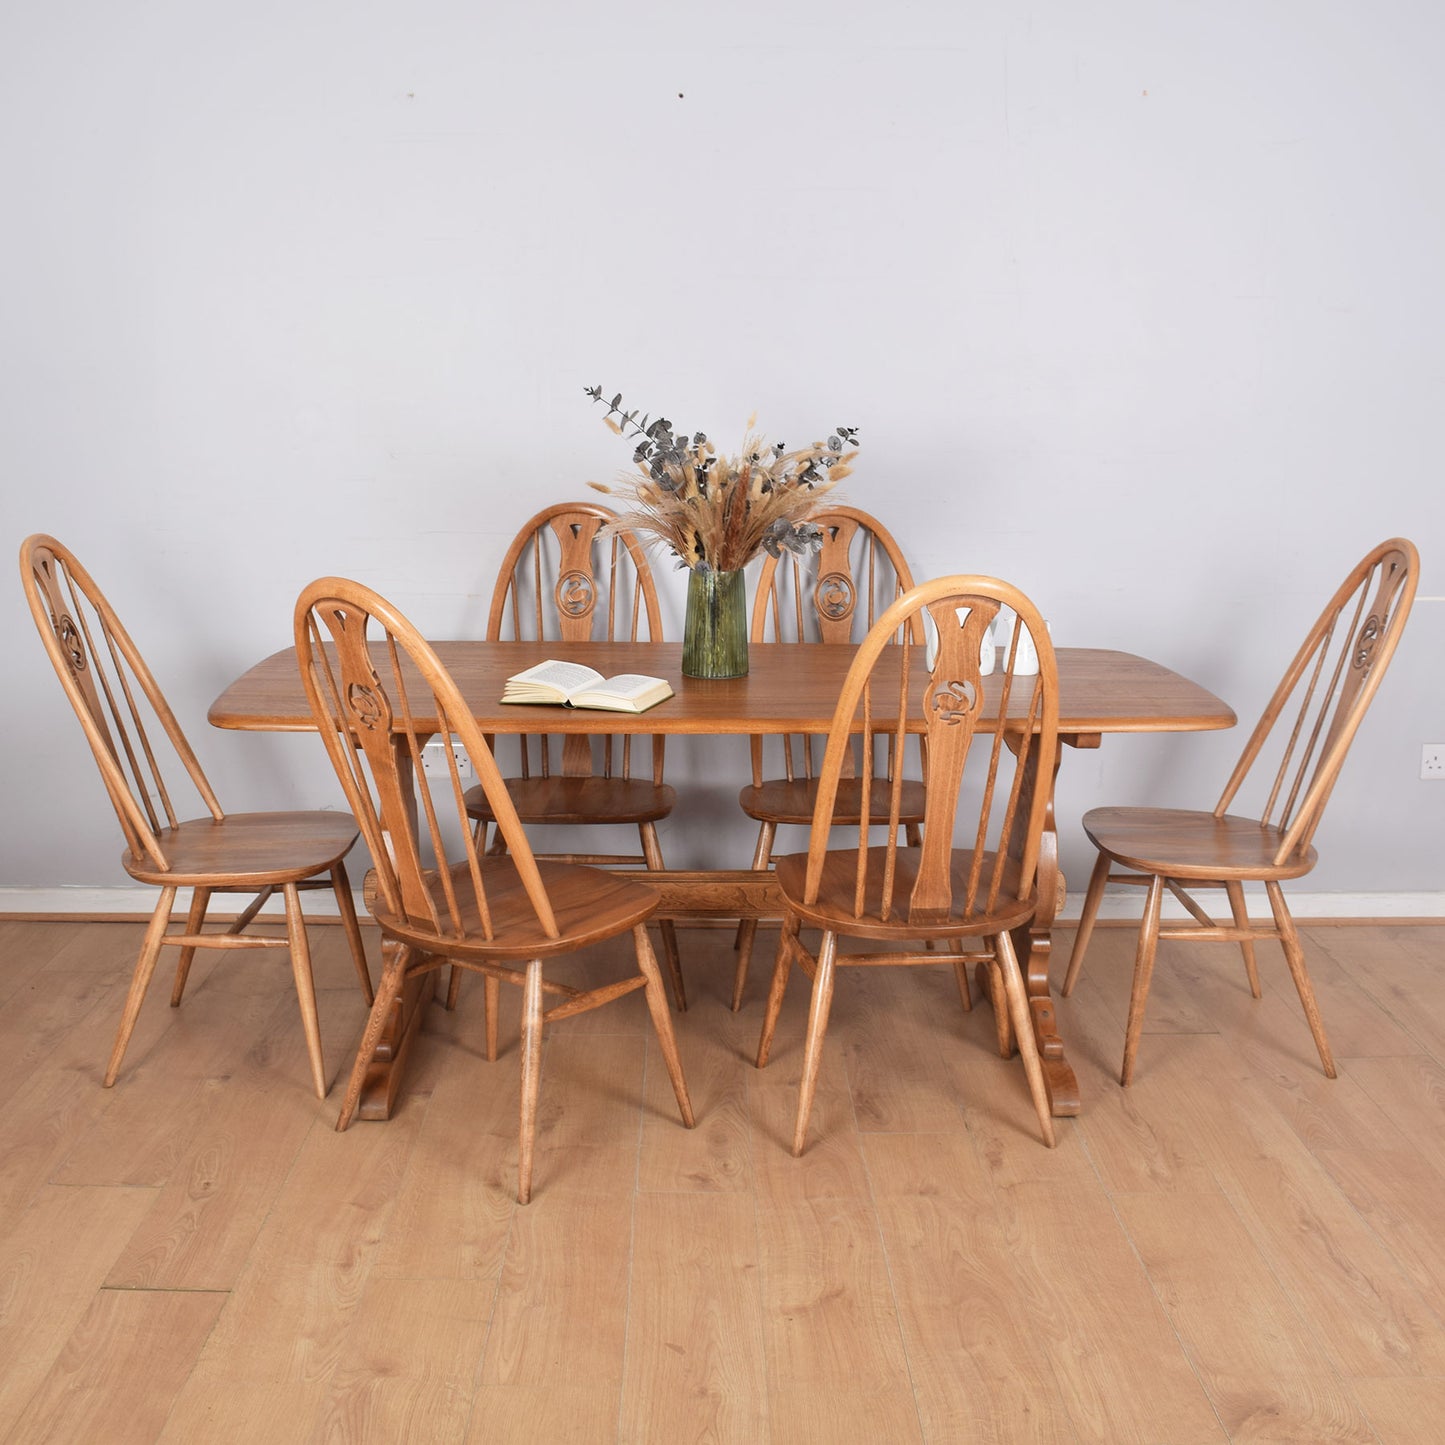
x: 715, y: 630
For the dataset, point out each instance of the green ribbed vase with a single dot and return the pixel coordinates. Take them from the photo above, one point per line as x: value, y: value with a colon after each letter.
x: 715, y: 629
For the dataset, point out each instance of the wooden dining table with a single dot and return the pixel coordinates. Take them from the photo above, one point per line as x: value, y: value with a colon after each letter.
x: 789, y: 688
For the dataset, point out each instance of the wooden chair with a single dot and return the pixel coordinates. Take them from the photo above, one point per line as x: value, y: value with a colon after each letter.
x: 378, y: 693
x: 562, y: 581
x: 135, y: 737
x: 992, y: 740
x: 835, y: 595
x: 1295, y: 753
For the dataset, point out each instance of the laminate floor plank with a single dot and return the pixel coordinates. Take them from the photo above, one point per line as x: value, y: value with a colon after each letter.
x: 53, y: 1260
x: 28, y: 951
x: 695, y: 1361
x: 267, y: 1365
x: 408, y: 1368
x: 38, y: 1128
x: 1233, y: 1248
x: 881, y: 1413
x: 453, y: 1210
x: 900, y: 1026
x: 1122, y: 1372
x: 829, y: 1316
x: 1398, y: 1194
x: 61, y: 1011
x: 561, y: 1300
x: 1266, y: 1376
x: 560, y: 1413
x: 1403, y: 1412
x: 121, y: 1369
x: 978, y: 1372
x: 717, y: 1048
x: 206, y: 1218
x: 1402, y: 970
x: 1411, y: 1090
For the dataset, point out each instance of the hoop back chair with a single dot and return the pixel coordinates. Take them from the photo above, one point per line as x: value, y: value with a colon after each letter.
x: 992, y: 744
x: 562, y: 580
x: 1292, y: 760
x: 832, y: 596
x: 137, y: 742
x: 378, y: 692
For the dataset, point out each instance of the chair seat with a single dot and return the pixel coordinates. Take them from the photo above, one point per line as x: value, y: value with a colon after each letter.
x: 247, y: 850
x: 1181, y: 843
x: 783, y: 800
x: 834, y: 908
x: 567, y: 799
x: 590, y: 904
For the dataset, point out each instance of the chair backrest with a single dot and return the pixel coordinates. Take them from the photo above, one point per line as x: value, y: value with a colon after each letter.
x: 129, y: 725
x: 566, y: 579
x: 1320, y: 702
x: 835, y: 594
x: 378, y: 693
x: 991, y: 742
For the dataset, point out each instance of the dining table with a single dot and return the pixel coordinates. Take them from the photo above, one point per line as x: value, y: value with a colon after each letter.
x: 789, y: 688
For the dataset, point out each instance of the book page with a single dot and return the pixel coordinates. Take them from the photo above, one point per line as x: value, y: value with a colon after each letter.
x: 627, y: 685
x: 566, y: 677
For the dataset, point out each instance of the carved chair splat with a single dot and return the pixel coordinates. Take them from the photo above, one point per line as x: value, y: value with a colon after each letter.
x: 833, y: 596
x: 566, y: 578
x: 377, y: 692
x: 992, y: 744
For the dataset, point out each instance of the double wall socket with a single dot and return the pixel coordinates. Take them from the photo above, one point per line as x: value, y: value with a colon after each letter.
x: 434, y: 759
x: 1432, y: 762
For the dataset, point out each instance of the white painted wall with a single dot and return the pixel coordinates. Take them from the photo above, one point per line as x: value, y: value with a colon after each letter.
x: 1138, y: 305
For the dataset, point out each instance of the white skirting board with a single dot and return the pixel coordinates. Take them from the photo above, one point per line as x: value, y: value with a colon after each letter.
x: 1117, y: 903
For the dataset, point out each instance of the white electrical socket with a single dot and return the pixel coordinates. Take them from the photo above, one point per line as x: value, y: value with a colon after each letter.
x: 434, y: 759
x: 1432, y: 762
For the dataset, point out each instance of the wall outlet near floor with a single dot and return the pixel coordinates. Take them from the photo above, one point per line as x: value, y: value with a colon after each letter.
x: 1432, y: 762
x: 434, y: 759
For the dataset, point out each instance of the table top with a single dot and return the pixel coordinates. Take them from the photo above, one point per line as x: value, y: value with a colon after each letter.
x: 789, y: 688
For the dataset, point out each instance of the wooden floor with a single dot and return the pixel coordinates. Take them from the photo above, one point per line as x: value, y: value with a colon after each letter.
x: 1233, y: 1249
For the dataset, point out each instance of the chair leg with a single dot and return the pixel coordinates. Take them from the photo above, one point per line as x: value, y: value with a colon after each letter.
x: 479, y: 834
x: 960, y: 974
x: 1240, y: 910
x: 195, y: 921
x: 818, y: 1012
x: 531, y: 1075
x: 305, y: 985
x: 341, y: 886
x: 394, y: 961
x: 667, y: 929
x: 1018, y: 1003
x: 1092, y: 898
x: 1143, y: 971
x: 145, y: 966
x: 998, y: 1000
x: 652, y: 854
x: 1295, y: 956
x: 748, y: 927
x: 782, y: 967
x: 662, y: 1020
x: 492, y: 991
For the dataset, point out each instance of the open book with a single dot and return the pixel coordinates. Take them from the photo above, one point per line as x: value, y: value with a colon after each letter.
x: 572, y: 685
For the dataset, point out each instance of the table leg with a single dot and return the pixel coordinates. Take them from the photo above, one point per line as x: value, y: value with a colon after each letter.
x: 388, y: 1067
x: 387, y: 1071
x: 1034, y: 946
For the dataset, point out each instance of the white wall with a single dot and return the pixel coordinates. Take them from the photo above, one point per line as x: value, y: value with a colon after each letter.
x: 1138, y: 305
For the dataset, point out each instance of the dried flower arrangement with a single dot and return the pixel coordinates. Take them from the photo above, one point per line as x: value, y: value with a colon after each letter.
x: 717, y: 512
